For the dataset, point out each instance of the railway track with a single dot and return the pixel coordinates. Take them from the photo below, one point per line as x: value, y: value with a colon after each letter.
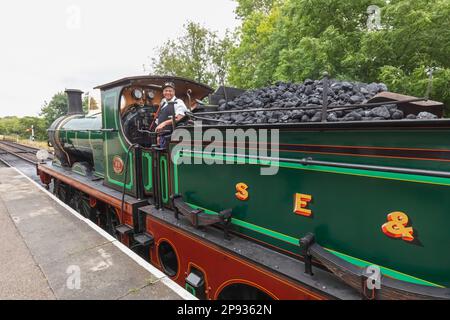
x: 3, y: 163
x: 20, y: 151
x: 21, y: 157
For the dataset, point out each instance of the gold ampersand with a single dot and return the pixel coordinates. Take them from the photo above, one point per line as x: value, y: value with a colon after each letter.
x: 396, y: 227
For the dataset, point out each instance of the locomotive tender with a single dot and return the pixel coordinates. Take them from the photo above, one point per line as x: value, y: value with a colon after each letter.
x: 356, y: 209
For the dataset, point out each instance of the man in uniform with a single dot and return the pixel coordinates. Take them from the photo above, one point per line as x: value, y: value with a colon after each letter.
x: 164, y: 120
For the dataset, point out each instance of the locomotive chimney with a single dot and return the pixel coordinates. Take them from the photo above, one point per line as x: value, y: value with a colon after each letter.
x: 75, y: 104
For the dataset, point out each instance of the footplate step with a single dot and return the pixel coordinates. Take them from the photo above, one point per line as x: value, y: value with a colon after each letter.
x: 199, y: 218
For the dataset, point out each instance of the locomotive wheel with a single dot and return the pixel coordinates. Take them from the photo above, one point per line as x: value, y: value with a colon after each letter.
x: 240, y: 291
x: 60, y: 190
x: 56, y: 189
x: 112, y: 221
x: 75, y: 200
x: 84, y: 208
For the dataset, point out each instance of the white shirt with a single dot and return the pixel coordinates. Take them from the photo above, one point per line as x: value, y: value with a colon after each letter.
x: 180, y: 107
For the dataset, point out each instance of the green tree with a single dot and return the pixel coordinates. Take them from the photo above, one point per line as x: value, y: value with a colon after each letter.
x: 85, y: 104
x: 246, y: 8
x: 57, y: 107
x: 252, y: 62
x: 9, y: 126
x: 297, y: 39
x: 14, y: 126
x: 199, y: 54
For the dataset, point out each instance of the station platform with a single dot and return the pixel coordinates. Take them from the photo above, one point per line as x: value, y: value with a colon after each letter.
x: 48, y: 251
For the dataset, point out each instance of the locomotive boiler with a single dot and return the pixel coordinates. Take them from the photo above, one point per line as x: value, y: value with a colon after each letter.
x: 355, y: 209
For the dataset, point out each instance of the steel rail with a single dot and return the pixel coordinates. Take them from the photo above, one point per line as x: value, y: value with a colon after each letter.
x: 23, y: 148
x: 6, y: 147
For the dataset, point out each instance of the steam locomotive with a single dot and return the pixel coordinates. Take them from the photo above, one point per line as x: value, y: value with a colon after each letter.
x: 355, y: 209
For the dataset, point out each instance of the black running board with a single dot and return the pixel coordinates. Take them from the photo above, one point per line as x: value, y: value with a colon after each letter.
x: 357, y: 277
x: 199, y: 218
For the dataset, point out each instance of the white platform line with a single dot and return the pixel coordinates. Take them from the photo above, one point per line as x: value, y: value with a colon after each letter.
x: 136, y: 258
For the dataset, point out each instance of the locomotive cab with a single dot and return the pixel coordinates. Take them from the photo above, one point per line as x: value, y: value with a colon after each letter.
x: 140, y: 100
x: 138, y: 109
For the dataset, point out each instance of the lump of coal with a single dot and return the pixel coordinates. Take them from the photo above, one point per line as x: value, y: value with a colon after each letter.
x: 352, y: 116
x: 381, y: 112
x: 426, y: 116
x: 397, y: 115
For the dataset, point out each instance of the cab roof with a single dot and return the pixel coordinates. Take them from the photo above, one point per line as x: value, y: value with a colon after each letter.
x: 199, y: 91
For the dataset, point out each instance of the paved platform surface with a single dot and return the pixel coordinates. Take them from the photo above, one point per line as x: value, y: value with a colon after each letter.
x: 48, y: 252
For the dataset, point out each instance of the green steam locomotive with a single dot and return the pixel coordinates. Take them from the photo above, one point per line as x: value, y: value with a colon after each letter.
x: 342, y: 210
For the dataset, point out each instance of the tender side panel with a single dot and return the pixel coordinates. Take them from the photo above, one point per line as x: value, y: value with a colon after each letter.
x: 408, y: 148
x: 346, y: 208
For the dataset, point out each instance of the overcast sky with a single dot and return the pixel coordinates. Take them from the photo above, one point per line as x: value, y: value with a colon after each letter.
x: 48, y: 45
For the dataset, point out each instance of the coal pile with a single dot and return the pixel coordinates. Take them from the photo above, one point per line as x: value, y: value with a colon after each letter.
x: 303, y: 102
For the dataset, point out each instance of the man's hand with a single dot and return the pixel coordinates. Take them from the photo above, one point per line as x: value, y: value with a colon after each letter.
x: 160, y: 127
x: 166, y: 123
